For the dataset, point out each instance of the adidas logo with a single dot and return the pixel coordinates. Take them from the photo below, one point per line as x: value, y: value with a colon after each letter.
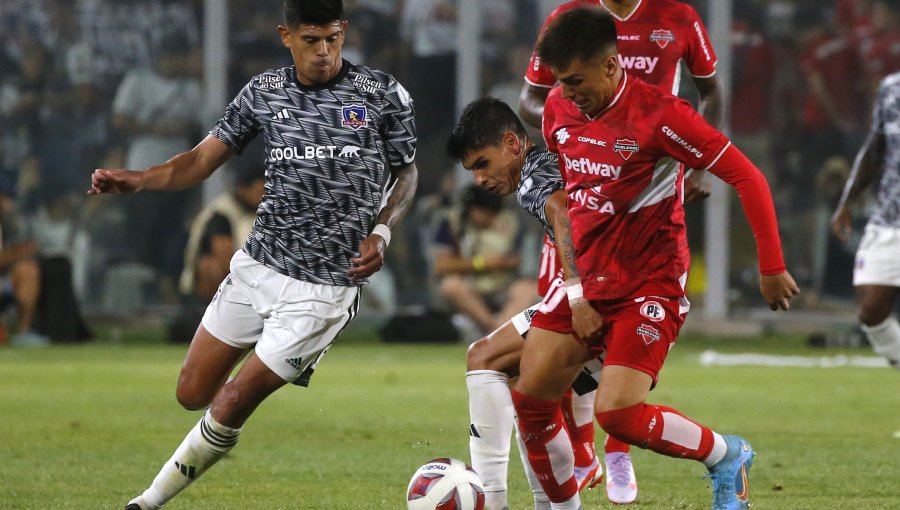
x: 188, y: 471
x: 283, y: 114
x: 295, y: 362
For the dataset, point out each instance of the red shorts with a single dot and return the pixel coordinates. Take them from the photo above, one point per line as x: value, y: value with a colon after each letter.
x: 637, y: 332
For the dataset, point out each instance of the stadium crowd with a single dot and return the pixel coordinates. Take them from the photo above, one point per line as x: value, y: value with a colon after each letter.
x: 93, y: 83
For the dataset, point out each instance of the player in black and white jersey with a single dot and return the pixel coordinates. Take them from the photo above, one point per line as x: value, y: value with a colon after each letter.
x: 340, y: 145
x: 876, y: 273
x: 490, y: 141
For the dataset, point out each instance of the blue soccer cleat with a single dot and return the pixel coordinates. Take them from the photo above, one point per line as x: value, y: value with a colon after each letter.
x: 729, y: 477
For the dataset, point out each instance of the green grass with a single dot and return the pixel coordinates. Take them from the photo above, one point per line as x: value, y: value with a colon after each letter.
x: 88, y: 428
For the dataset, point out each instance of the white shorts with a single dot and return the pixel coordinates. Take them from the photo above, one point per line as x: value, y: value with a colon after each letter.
x: 291, y: 323
x: 878, y: 257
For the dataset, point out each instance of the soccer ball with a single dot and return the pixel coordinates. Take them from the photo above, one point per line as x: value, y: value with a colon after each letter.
x: 445, y: 484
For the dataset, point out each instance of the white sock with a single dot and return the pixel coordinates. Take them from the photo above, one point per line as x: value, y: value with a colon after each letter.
x: 885, y: 338
x: 541, y: 501
x: 583, y: 408
x: 203, y: 446
x: 492, y: 415
x: 718, y: 452
x: 574, y: 503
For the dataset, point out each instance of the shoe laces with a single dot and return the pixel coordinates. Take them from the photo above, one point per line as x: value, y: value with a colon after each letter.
x: 619, y: 468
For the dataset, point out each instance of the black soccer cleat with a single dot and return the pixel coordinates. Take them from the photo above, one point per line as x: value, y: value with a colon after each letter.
x: 133, y: 506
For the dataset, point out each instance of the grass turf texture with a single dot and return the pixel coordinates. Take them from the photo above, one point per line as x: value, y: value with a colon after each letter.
x: 88, y: 427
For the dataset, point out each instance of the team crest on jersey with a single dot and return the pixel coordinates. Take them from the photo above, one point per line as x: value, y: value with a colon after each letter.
x: 355, y: 116
x: 625, y: 147
x: 653, y: 311
x: 648, y: 333
x: 662, y: 37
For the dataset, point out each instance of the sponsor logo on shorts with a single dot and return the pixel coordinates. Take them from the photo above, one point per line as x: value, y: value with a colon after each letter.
x: 295, y: 362
x: 648, y: 333
x: 653, y: 311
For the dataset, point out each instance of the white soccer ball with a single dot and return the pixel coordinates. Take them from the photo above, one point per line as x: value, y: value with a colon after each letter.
x: 445, y: 484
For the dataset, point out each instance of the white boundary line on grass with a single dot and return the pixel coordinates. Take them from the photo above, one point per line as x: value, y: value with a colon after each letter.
x: 711, y: 358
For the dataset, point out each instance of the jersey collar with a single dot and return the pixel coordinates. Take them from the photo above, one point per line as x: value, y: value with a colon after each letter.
x: 630, y: 15
x: 345, y: 68
x: 615, y: 99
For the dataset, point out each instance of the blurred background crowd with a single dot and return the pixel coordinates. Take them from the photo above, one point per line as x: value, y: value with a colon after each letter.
x: 87, y: 84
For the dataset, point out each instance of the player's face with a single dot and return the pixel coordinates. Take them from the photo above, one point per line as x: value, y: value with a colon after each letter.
x: 316, y: 50
x: 495, y: 167
x: 590, y: 84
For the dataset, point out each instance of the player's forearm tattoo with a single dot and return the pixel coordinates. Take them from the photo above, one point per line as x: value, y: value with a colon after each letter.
x: 566, y: 248
x: 400, y: 196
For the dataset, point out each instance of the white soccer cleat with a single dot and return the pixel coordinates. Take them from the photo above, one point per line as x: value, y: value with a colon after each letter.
x: 621, y: 485
x: 589, y: 476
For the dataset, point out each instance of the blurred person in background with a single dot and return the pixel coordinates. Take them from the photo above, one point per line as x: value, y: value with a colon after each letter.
x: 20, y: 273
x: 881, y: 49
x: 476, y: 259
x: 157, y: 108
x: 340, y: 173
x: 876, y: 274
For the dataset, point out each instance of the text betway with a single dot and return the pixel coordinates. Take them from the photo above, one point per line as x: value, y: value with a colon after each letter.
x: 586, y: 166
x: 681, y: 141
x: 646, y: 64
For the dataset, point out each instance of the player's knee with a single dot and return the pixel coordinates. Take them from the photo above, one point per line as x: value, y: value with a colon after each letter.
x: 620, y: 423
x: 873, y: 314
x: 191, y: 399
x: 479, y: 356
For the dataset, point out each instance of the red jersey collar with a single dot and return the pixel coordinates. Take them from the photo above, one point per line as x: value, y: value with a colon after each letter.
x: 630, y: 15
x: 619, y: 91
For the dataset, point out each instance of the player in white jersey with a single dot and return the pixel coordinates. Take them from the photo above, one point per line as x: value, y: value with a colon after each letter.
x: 876, y: 273
x: 340, y: 173
x: 490, y: 141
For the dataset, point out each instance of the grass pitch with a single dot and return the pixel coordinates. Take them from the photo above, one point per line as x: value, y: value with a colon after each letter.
x: 88, y: 427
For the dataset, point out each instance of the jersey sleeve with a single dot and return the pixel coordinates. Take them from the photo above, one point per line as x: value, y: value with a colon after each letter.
x: 399, y: 125
x: 547, y: 123
x: 688, y: 138
x: 239, y: 125
x: 699, y: 54
x: 540, y: 180
x: 537, y: 73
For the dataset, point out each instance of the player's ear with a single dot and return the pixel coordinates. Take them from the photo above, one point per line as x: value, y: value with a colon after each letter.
x: 512, y: 142
x: 285, y: 35
x: 611, y: 64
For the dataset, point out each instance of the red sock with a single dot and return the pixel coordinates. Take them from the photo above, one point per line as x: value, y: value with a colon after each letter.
x: 549, y: 449
x: 582, y: 436
x: 613, y: 445
x: 661, y: 429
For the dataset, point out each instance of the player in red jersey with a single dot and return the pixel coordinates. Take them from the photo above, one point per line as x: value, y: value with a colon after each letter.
x: 620, y: 142
x: 654, y: 37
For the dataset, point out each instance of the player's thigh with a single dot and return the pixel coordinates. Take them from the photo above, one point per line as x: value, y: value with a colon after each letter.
x: 621, y: 387
x: 501, y: 349
x: 207, y: 365
x: 875, y: 302
x: 550, y: 362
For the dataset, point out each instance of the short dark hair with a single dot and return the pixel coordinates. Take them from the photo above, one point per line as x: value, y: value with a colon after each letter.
x: 578, y: 34
x: 481, y: 124
x: 312, y: 12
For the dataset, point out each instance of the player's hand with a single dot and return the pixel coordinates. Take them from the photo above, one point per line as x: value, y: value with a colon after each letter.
x: 586, y: 321
x: 841, y: 223
x: 116, y: 181
x: 370, y: 259
x: 697, y: 186
x: 778, y: 290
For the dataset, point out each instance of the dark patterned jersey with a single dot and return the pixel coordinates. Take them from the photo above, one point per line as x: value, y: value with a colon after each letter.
x: 540, y: 178
x: 329, y: 150
x: 886, y: 122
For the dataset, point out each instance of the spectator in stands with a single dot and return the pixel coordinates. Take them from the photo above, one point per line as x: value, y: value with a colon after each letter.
x: 20, y: 274
x: 476, y: 258
x: 158, y: 108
